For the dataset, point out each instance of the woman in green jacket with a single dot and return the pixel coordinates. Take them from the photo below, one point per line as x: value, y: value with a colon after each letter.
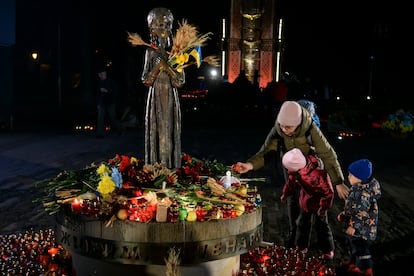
x: 294, y: 128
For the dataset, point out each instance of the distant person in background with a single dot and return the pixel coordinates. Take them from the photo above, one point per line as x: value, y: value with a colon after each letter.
x: 316, y: 197
x: 360, y: 217
x: 279, y: 94
x: 295, y: 86
x: 163, y: 111
x: 106, y: 98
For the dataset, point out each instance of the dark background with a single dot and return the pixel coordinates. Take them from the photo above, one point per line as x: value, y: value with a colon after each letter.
x: 345, y: 45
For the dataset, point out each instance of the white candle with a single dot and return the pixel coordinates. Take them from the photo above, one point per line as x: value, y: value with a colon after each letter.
x: 227, y: 180
x: 162, y: 211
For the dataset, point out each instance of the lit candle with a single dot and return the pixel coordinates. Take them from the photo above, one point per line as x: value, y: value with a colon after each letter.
x: 162, y: 210
x: 201, y: 213
x: 53, y: 251
x: 182, y: 213
x: 148, y: 213
x: 76, y: 206
x: 227, y: 180
x: 172, y: 215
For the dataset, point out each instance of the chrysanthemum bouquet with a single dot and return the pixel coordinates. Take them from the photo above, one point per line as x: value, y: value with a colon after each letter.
x: 400, y: 122
x: 125, y: 188
x: 124, y: 176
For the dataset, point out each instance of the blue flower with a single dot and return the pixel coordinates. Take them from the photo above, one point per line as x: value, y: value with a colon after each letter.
x: 116, y: 177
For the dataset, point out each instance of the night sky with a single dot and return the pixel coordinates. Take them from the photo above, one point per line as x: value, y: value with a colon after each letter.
x: 328, y: 41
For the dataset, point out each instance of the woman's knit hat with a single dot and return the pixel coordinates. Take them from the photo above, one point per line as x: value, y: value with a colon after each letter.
x: 294, y: 160
x: 361, y: 169
x: 290, y: 114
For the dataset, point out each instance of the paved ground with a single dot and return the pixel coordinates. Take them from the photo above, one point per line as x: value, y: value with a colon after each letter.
x: 29, y: 155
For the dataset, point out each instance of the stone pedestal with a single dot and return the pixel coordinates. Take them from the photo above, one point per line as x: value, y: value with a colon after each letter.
x: 205, y: 248
x: 89, y: 266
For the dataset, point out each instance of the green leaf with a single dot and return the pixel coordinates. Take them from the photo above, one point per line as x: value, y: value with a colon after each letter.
x: 158, y: 181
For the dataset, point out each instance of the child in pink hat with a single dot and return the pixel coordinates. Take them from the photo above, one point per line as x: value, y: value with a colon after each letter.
x: 316, y: 196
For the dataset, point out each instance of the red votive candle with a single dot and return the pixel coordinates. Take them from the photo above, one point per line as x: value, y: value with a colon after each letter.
x: 76, y: 206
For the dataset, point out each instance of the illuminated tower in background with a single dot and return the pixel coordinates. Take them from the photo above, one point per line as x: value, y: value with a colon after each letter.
x: 251, y: 43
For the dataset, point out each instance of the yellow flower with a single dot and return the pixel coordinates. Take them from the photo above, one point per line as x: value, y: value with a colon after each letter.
x: 406, y: 129
x: 106, y: 185
x: 181, y: 59
x: 134, y: 160
x: 102, y: 170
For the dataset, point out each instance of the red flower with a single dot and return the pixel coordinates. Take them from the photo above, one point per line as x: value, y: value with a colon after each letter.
x: 170, y: 180
x: 114, y: 161
x: 199, y: 165
x: 124, y: 164
x: 186, y: 158
x: 187, y: 170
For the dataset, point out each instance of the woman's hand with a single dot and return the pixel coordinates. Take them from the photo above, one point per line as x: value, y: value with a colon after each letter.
x: 241, y: 167
x: 342, y: 191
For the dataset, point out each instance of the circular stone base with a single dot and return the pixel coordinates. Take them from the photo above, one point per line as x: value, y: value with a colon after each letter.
x: 143, y: 244
x: 84, y: 266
